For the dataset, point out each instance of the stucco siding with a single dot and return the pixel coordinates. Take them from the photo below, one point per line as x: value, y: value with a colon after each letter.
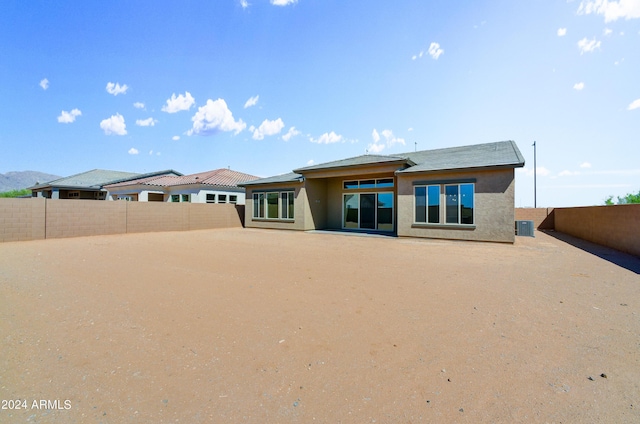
x: 493, y: 207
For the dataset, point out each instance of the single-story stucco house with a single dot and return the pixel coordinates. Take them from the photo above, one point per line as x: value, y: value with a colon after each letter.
x: 216, y: 186
x: 464, y: 193
x: 90, y: 185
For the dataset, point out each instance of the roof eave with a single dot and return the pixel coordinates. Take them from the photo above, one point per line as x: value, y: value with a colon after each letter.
x: 458, y: 169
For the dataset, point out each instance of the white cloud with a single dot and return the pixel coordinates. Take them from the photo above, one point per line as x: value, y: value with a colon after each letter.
x: 175, y: 138
x: 116, y: 88
x: 251, y: 102
x: 585, y: 165
x: 375, y: 135
x: 578, y: 86
x: 562, y: 32
x: 244, y: 4
x: 540, y: 171
x: 634, y: 105
x: 389, y: 141
x: 114, y: 125
x: 138, y: 105
x: 588, y: 46
x: 375, y: 148
x: 328, y: 138
x: 181, y: 102
x: 149, y: 122
x: 133, y: 151
x: 435, y: 51
x: 612, y: 10
x: 214, y: 117
x: 69, y: 117
x: 44, y: 84
x: 150, y: 152
x: 283, y: 2
x: 291, y: 133
x: 410, y: 129
x: 268, y: 128
x: 310, y: 162
x: 607, y: 31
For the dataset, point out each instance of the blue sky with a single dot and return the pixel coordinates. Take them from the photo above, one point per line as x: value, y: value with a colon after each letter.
x: 266, y: 86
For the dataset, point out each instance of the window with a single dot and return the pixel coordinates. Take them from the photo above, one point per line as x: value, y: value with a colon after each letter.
x: 211, y: 198
x: 258, y: 205
x: 286, y: 205
x: 427, y: 204
x: 73, y: 195
x: 185, y: 198
x: 379, y: 183
x: 175, y: 198
x: 273, y: 205
x: 233, y: 198
x: 222, y: 198
x: 458, y: 204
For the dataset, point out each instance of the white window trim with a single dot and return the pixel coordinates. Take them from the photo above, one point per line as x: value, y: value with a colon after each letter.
x: 266, y: 204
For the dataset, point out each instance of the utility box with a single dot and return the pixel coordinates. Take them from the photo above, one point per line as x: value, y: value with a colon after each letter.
x: 524, y: 228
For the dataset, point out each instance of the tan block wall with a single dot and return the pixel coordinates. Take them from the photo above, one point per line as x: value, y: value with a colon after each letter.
x: 543, y: 218
x: 22, y: 219
x: 494, y: 210
x: 616, y: 226
x: 75, y: 218
x: 40, y: 218
x: 145, y: 217
x: 204, y: 216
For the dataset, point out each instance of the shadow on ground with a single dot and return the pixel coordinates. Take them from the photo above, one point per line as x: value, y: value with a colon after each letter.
x: 624, y: 260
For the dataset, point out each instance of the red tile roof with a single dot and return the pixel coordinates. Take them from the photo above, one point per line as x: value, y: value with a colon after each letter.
x: 218, y: 177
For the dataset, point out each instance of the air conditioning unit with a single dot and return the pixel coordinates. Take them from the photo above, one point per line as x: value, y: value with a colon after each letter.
x: 524, y: 228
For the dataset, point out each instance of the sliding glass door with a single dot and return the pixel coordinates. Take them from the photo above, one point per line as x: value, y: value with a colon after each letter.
x: 368, y: 211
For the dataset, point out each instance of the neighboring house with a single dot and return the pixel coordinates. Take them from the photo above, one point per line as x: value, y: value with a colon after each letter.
x: 88, y: 185
x: 217, y: 186
x: 464, y: 193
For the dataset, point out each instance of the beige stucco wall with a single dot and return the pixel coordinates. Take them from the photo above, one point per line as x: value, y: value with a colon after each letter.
x: 616, y: 226
x: 300, y: 206
x: 494, y: 207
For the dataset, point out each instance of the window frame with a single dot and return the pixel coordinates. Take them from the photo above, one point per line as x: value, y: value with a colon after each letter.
x: 285, y: 212
x: 444, y: 205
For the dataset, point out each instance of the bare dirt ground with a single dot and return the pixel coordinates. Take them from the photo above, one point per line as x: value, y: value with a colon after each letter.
x: 263, y: 326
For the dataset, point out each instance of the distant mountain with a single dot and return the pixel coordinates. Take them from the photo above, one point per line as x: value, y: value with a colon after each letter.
x: 17, y: 180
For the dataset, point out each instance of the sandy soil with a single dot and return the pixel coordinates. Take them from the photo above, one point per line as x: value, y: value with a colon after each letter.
x: 263, y: 326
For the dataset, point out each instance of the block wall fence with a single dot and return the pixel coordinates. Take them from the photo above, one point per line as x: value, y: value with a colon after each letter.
x: 39, y: 218
x: 616, y: 226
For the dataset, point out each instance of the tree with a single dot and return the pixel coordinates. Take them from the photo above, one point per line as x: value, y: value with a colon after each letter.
x: 16, y: 193
x: 628, y: 199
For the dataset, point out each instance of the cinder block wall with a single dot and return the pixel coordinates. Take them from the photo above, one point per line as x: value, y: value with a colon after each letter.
x: 40, y: 218
x: 616, y: 226
x: 75, y: 218
x: 22, y: 219
x: 543, y: 218
x: 144, y: 217
x: 204, y: 216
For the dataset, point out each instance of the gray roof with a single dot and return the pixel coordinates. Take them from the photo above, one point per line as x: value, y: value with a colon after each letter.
x: 97, y: 178
x: 355, y: 161
x: 489, y: 155
x: 291, y: 177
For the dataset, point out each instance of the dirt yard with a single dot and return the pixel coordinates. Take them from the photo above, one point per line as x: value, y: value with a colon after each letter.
x: 258, y: 326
